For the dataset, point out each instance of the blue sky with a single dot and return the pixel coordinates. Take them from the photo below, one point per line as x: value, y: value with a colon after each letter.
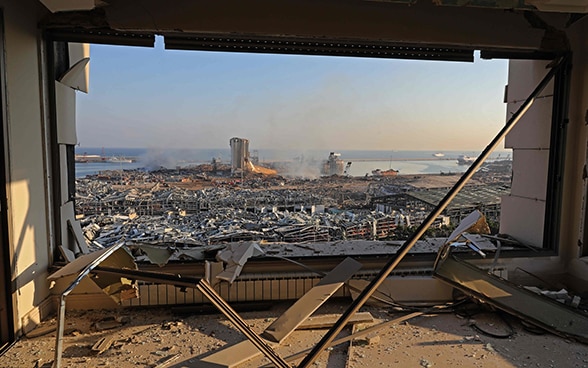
x: 151, y: 97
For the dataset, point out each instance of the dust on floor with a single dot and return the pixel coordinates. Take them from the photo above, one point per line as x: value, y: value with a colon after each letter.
x: 162, y: 338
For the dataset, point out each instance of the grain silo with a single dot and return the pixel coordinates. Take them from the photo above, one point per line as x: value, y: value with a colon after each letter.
x: 239, y: 154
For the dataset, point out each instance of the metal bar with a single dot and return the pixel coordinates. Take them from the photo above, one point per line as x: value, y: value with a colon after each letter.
x: 61, y: 312
x: 403, y: 250
x: 357, y: 334
x: 205, y: 288
x: 150, y: 276
x: 557, y: 151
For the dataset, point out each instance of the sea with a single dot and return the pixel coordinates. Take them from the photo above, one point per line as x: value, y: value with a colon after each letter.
x: 362, y: 161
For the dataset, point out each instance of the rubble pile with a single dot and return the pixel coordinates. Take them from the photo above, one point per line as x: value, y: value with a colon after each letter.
x: 164, y: 213
x: 230, y: 225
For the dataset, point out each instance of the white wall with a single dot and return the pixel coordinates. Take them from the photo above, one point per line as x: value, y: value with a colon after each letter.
x: 522, y: 216
x: 523, y: 211
x: 26, y: 174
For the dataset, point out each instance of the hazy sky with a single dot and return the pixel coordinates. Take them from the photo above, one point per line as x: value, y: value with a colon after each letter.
x: 151, y: 97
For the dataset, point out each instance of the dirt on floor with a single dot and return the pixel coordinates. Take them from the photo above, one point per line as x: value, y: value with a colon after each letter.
x: 468, y: 336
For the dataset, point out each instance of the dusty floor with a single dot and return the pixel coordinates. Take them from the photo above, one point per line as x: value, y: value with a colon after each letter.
x: 160, y: 338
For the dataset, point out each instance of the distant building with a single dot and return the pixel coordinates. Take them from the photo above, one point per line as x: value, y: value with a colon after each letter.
x: 239, y: 154
x: 419, y: 203
x: 333, y: 165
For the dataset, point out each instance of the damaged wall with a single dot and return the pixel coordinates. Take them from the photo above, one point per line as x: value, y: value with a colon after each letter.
x: 25, y: 144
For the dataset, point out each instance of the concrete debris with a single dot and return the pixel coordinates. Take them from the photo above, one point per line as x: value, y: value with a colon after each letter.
x: 235, y: 256
x: 561, y: 296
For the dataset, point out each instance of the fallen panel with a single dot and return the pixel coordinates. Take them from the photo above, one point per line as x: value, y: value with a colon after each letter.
x: 282, y: 327
x: 538, y: 310
x: 326, y: 321
x: 117, y: 288
x: 305, y: 306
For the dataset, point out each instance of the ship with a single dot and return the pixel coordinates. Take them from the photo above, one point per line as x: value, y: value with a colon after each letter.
x: 465, y: 160
x: 333, y: 165
x: 119, y: 160
x: 439, y: 154
x: 379, y: 172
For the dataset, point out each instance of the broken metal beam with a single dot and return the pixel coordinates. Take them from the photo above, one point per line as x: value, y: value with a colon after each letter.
x: 538, y: 310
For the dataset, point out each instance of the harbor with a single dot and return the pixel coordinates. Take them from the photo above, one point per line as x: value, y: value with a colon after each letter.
x: 249, y: 200
x: 306, y: 163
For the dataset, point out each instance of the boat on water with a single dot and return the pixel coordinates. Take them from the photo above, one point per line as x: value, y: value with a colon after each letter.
x: 465, y: 160
x: 379, y: 172
x: 119, y: 160
x: 439, y: 154
x: 85, y: 158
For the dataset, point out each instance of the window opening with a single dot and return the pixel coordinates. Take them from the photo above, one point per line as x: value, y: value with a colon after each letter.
x: 136, y: 181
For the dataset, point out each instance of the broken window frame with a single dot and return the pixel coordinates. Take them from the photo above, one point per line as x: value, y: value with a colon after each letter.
x: 553, y: 205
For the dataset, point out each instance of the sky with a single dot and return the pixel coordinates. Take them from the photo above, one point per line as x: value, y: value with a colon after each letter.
x: 155, y: 98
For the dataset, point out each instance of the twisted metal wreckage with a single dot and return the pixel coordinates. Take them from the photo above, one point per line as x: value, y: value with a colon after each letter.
x: 115, y: 267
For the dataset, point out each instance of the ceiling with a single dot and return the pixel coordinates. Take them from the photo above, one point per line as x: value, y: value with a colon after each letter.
x: 442, y: 29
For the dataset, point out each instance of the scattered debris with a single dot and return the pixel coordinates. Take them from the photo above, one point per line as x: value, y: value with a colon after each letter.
x: 235, y: 255
x: 535, y: 309
x: 102, y: 345
x: 167, y: 360
x: 326, y: 321
x: 277, y: 331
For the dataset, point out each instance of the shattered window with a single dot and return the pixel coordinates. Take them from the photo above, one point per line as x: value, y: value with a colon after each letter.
x: 307, y: 155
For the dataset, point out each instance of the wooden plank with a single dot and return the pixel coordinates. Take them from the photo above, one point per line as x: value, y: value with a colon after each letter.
x: 233, y: 355
x: 326, y: 321
x: 102, y: 345
x: 230, y: 356
x: 40, y: 331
